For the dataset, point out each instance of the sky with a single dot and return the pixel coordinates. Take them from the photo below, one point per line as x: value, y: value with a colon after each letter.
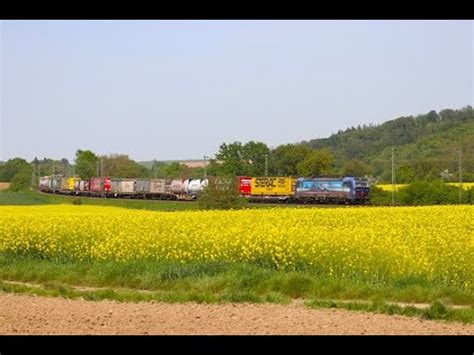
x: 178, y: 89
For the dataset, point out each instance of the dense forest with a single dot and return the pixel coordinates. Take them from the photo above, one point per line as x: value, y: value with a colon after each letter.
x: 426, y: 148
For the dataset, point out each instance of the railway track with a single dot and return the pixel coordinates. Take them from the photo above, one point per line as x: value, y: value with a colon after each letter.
x: 265, y: 202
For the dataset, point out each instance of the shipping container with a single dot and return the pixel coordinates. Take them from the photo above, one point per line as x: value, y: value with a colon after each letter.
x: 64, y: 184
x: 115, y: 185
x: 127, y: 186
x: 82, y: 185
x: 107, y: 184
x: 245, y: 185
x: 177, y: 186
x: 194, y: 186
x: 157, y: 186
x: 186, y: 186
x: 142, y: 186
x: 56, y: 183
x: 168, y: 189
x: 96, y: 184
x: 272, y: 186
x: 71, y: 182
x: 77, y: 185
x: 45, y: 183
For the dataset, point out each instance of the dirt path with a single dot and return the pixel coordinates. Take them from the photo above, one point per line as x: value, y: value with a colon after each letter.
x: 22, y: 314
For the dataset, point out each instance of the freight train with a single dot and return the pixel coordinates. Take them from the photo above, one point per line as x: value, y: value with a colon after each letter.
x: 163, y: 189
x: 349, y: 190
x: 305, y: 190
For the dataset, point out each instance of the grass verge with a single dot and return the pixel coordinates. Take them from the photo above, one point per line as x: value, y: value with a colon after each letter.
x: 35, y: 198
x: 28, y: 198
x: 437, y: 310
x: 228, y: 282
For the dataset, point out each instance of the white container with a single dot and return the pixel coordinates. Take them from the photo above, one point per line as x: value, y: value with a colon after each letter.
x: 157, y: 186
x: 127, y: 186
x: 194, y: 186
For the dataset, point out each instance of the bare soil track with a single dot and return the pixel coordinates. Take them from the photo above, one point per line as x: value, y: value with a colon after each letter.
x: 24, y: 314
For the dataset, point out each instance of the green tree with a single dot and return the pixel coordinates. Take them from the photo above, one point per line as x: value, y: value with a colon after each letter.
x: 239, y: 159
x: 405, y: 174
x: 431, y: 193
x: 319, y: 162
x: 221, y: 193
x: 14, y: 166
x: 120, y: 165
x: 21, y: 181
x: 86, y: 163
x: 171, y: 170
x: 432, y: 116
x: 285, y: 158
x: 356, y: 167
x: 229, y: 160
x: 155, y: 167
x: 194, y: 173
x: 254, y: 155
x: 49, y: 167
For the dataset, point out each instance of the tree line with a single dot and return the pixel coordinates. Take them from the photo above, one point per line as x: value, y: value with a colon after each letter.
x: 22, y: 174
x: 426, y: 149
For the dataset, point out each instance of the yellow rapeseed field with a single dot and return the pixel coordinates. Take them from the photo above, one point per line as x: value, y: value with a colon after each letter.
x: 388, y: 187
x: 377, y: 243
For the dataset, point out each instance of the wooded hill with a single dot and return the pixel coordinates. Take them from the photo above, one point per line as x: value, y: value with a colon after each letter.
x: 425, y: 146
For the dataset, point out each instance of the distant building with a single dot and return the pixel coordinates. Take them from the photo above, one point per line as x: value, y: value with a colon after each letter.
x: 194, y: 163
x: 4, y: 185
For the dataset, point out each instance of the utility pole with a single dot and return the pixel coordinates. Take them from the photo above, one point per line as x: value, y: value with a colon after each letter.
x: 205, y: 167
x: 102, y: 174
x: 97, y: 167
x: 33, y: 179
x: 393, y: 176
x: 53, y: 178
x: 460, y: 173
x: 266, y: 164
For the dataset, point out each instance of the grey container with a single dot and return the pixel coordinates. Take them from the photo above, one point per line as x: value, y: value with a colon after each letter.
x: 64, y: 184
x: 115, y: 185
x: 142, y: 186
